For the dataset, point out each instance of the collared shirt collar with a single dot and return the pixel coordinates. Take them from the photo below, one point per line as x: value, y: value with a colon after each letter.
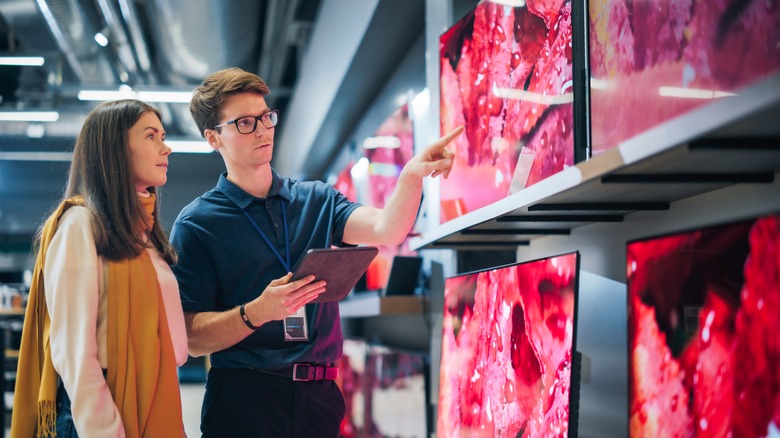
x: 279, y: 187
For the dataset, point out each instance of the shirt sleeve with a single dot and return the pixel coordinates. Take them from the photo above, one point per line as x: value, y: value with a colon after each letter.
x: 71, y: 281
x: 343, y: 208
x: 195, y: 271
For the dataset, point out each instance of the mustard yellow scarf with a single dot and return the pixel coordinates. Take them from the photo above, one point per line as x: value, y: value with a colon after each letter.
x: 141, y: 363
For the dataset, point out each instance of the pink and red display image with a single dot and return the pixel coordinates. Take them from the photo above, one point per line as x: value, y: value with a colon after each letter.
x: 384, y: 391
x: 506, y: 76
x: 507, y: 343
x: 652, y: 60
x: 704, y: 332
x: 385, y: 164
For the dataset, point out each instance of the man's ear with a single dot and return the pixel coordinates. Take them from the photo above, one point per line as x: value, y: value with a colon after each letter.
x: 211, y: 137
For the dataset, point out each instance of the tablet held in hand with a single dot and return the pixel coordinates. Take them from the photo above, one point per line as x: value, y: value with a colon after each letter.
x: 340, y: 268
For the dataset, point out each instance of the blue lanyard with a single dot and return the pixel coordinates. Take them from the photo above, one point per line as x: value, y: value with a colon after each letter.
x: 285, y: 264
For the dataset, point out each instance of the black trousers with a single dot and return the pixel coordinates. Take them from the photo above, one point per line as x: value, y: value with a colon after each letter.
x: 242, y: 402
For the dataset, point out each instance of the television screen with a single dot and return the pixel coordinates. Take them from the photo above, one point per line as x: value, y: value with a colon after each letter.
x: 506, y: 76
x: 387, y: 152
x: 507, y: 346
x: 652, y: 60
x: 344, y: 182
x: 704, y: 332
x: 384, y: 390
x: 391, y: 147
x: 352, y: 368
x: 395, y: 393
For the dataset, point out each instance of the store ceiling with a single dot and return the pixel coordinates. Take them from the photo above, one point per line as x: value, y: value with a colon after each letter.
x: 170, y: 45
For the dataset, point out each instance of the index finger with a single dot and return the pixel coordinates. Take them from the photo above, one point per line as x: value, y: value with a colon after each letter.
x: 444, y: 141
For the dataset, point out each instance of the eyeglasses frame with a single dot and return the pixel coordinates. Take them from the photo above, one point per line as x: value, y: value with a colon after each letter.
x: 257, y: 118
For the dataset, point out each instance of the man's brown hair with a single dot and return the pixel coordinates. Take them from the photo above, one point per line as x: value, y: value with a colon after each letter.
x: 209, y: 97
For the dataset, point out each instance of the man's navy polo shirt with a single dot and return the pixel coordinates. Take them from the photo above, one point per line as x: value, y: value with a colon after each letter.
x: 224, y: 262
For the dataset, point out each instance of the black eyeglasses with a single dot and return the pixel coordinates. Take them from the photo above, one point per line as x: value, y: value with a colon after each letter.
x: 248, y: 124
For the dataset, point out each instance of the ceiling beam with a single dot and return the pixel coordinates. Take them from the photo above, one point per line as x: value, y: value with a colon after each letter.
x: 335, y: 39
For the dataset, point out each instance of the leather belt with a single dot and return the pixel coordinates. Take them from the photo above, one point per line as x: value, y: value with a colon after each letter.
x: 304, y: 372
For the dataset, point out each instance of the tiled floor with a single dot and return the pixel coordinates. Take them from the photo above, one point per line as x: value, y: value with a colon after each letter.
x: 191, y: 401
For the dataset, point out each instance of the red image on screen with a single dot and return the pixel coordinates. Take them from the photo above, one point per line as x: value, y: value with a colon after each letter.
x: 704, y: 332
x: 506, y: 76
x: 384, y: 391
x: 387, y: 152
x: 507, y: 344
x: 652, y: 60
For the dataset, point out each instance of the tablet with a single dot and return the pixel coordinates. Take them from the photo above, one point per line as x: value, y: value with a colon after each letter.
x: 341, y: 268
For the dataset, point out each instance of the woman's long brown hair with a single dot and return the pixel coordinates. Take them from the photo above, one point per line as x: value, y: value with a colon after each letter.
x: 100, y: 172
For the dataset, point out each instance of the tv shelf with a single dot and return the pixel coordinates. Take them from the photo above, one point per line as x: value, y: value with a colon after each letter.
x: 374, y: 305
x: 735, y: 140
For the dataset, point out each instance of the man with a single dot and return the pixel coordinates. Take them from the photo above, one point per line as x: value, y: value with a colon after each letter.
x: 236, y: 246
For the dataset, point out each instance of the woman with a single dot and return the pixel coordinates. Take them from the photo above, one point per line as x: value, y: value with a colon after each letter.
x: 104, y: 329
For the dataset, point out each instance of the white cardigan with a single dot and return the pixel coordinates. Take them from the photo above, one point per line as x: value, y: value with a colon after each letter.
x: 77, y: 309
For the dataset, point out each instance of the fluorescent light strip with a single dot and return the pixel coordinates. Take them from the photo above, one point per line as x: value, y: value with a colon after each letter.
x: 165, y: 96
x: 146, y: 96
x: 29, y: 116
x: 190, y: 146
x: 33, y: 61
x: 36, y: 156
x: 543, y: 99
x: 105, y: 95
x: 692, y: 93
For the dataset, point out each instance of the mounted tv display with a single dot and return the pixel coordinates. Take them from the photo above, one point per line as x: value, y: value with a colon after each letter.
x: 352, y: 368
x: 507, y: 345
x: 391, y: 147
x: 704, y: 332
x: 652, y: 60
x: 396, y: 402
x: 506, y: 76
x: 384, y: 390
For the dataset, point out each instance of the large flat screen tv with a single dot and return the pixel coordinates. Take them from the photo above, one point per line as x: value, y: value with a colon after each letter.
x: 507, y: 346
x: 384, y: 390
x: 506, y: 76
x: 386, y: 152
x: 704, y: 332
x: 652, y: 60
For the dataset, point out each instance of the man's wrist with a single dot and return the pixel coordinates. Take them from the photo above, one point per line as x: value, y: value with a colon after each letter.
x: 245, y: 318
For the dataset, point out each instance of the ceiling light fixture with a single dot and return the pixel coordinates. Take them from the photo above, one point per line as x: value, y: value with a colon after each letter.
x: 36, y: 156
x: 29, y: 116
x: 190, y: 146
x: 165, y: 96
x: 105, y: 95
x: 32, y: 61
x: 101, y: 39
x: 155, y: 96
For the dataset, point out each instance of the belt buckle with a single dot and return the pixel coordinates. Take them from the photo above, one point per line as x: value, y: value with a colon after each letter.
x: 303, y: 366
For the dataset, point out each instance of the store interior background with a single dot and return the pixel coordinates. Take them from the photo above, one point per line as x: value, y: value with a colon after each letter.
x: 337, y: 69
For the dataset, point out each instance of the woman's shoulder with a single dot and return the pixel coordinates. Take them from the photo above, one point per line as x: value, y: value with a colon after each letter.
x: 76, y: 219
x: 76, y: 214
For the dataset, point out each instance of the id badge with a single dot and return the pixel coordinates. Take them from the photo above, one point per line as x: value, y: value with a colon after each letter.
x: 295, y: 326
